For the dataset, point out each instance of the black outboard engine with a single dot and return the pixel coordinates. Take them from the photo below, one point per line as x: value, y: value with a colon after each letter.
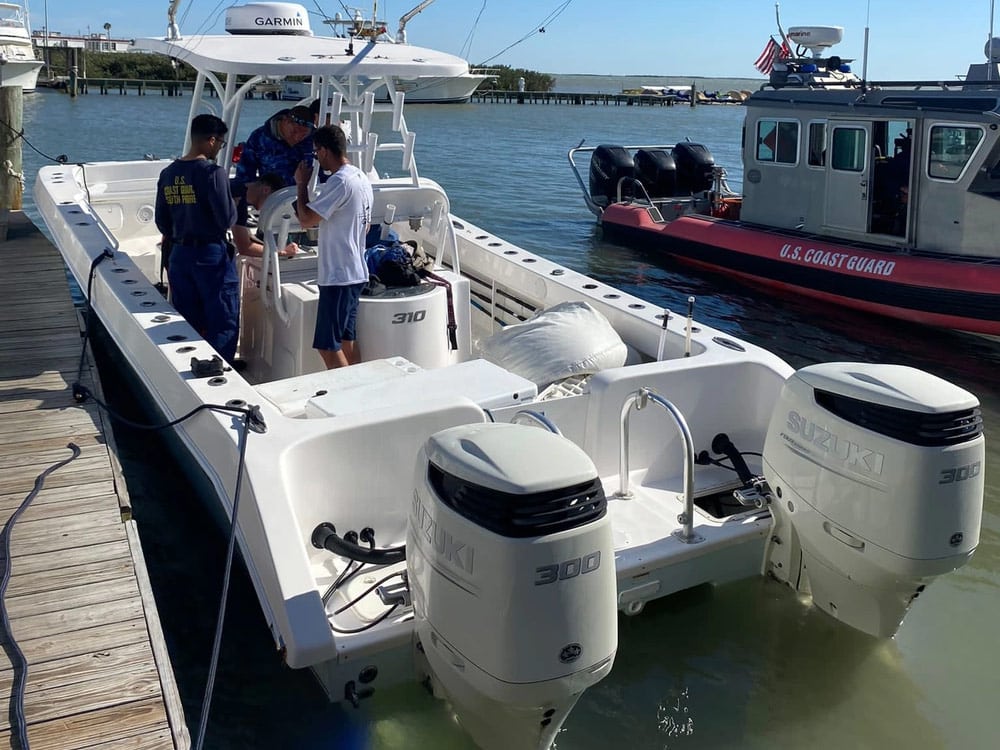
x: 694, y: 167
x: 657, y: 171
x: 608, y: 164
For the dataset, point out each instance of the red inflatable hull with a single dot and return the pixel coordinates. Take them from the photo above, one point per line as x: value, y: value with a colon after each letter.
x: 961, y: 294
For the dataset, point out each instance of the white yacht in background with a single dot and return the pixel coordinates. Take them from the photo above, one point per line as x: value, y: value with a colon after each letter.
x: 523, y: 452
x: 423, y: 89
x: 18, y: 66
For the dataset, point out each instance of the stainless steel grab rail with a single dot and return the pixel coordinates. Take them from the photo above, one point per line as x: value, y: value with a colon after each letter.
x: 639, y: 399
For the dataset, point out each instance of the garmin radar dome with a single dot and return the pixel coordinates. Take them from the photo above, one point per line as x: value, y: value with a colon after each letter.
x: 268, y: 18
x: 816, y: 39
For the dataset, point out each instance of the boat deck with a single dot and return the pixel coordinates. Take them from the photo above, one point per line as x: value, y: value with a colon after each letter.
x: 79, y: 600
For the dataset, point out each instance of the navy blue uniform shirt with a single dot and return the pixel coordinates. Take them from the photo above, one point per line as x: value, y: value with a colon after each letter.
x: 193, y: 202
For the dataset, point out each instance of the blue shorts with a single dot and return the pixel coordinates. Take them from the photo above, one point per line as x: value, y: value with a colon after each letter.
x: 337, y: 316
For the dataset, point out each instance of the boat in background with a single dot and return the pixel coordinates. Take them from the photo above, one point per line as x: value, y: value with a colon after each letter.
x: 453, y: 89
x: 679, y: 93
x: 522, y: 452
x: 18, y: 65
x: 881, y: 197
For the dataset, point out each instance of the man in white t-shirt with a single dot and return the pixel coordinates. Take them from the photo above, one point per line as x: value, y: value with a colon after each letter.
x: 343, y: 209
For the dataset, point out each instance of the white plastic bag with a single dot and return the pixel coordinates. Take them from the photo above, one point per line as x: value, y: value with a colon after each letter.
x: 571, y: 338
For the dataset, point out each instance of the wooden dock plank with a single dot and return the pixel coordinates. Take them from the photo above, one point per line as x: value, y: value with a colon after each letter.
x: 66, y: 621
x: 77, y: 668
x: 47, y: 451
x: 49, y: 494
x: 98, y: 554
x: 96, y: 638
x: 80, y: 477
x: 62, y: 577
x: 108, y: 689
x: 69, y: 506
x: 74, y: 732
x: 78, y: 598
x: 45, y: 602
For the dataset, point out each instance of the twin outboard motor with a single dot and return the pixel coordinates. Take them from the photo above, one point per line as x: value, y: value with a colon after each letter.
x: 512, y: 577
x: 657, y: 171
x: 686, y: 169
x: 695, y: 165
x: 876, y: 481
x: 608, y: 165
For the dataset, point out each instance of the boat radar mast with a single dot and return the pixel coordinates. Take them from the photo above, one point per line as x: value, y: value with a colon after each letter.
x: 809, y: 64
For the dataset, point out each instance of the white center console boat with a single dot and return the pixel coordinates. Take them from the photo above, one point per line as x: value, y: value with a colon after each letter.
x: 519, y: 457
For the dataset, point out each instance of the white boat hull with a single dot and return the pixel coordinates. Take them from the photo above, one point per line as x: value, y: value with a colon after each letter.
x: 23, y: 74
x: 277, y: 509
x: 21, y: 68
x: 421, y: 90
x: 429, y: 90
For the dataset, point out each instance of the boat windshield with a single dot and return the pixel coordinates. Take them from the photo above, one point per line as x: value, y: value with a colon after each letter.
x: 11, y: 16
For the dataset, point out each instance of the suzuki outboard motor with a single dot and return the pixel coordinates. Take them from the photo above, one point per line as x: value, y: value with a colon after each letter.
x: 608, y: 165
x: 512, y: 574
x: 876, y: 481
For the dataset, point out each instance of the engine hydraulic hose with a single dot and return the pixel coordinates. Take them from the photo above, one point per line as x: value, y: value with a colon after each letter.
x: 722, y: 444
x: 325, y: 537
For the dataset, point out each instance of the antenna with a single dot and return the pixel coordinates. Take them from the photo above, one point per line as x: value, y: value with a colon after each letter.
x: 990, y: 52
x: 864, y: 61
x: 781, y: 32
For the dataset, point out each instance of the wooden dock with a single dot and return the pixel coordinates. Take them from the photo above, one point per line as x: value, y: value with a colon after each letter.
x: 79, y: 601
x: 554, y: 97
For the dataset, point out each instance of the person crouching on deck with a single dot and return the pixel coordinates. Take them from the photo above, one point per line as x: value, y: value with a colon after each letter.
x: 194, y: 211
x: 342, y: 209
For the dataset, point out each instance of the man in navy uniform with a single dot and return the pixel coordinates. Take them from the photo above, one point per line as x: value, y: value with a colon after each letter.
x: 194, y: 211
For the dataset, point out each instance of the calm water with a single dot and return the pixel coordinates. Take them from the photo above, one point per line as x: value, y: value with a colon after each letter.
x: 740, y: 666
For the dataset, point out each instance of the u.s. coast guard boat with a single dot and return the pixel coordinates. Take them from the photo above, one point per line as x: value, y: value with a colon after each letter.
x: 881, y: 197
x: 523, y: 452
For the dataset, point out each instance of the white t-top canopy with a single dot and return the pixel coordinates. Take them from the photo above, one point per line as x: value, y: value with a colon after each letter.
x: 282, y: 55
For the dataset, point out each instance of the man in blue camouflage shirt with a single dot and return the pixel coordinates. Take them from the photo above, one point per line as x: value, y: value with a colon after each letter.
x: 277, y: 146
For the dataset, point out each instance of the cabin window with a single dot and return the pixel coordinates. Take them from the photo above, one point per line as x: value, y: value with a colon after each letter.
x: 951, y: 148
x: 849, y: 147
x: 778, y: 141
x: 817, y: 144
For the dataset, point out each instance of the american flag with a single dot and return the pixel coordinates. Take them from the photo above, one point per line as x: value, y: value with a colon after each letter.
x: 772, y: 52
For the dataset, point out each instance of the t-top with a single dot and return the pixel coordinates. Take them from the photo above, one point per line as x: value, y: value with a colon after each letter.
x: 193, y: 203
x: 345, y: 203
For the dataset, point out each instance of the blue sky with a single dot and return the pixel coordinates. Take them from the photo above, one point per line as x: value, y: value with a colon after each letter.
x: 909, y: 39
